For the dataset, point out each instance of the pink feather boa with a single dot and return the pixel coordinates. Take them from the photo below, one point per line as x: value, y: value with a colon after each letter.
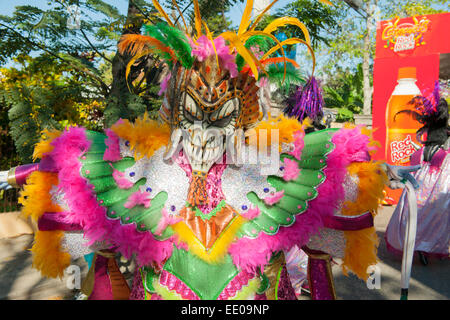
x: 351, y: 145
x: 204, y: 49
x: 86, y: 211
x: 291, y: 170
x: 120, y: 179
x: 252, y: 213
x: 298, y: 144
x: 112, y: 152
x: 166, y: 220
x: 138, y: 198
x: 275, y: 198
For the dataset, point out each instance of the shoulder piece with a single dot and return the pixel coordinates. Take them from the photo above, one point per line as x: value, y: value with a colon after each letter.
x: 122, y: 187
x: 297, y: 192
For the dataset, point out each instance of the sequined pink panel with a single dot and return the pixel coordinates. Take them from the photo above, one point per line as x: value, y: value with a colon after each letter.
x: 102, y: 285
x: 156, y: 297
x: 235, y: 285
x: 213, y: 181
x: 320, y: 288
x: 171, y: 282
x: 285, y: 289
x: 137, y: 290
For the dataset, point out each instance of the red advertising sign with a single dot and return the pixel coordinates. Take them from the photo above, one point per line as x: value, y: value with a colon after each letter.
x: 409, y: 54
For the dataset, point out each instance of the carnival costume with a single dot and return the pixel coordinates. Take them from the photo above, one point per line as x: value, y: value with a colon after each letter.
x: 433, y: 195
x: 200, y: 222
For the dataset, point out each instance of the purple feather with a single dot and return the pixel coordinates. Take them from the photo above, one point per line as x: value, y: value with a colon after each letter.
x: 428, y: 105
x: 306, y: 102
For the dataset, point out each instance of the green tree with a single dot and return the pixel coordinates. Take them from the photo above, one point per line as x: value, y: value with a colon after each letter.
x: 345, y: 93
x: 42, y: 93
x: 85, y: 61
x: 320, y: 19
x: 355, y: 41
x: 212, y: 12
x: 409, y: 8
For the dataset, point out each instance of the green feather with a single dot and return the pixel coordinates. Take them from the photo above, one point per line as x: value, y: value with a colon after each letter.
x: 174, y: 39
x: 264, y: 43
x: 293, y: 76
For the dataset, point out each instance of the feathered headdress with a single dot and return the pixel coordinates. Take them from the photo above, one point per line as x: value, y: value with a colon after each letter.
x: 173, y: 45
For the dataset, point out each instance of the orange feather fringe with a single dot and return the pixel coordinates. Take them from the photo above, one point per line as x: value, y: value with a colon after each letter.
x: 145, y: 135
x: 35, y: 196
x: 361, y: 246
x: 48, y: 255
x: 44, y: 146
x: 285, y: 126
x: 135, y: 44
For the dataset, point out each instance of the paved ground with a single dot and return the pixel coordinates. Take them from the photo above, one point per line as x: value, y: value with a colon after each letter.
x: 432, y: 282
x: 19, y: 281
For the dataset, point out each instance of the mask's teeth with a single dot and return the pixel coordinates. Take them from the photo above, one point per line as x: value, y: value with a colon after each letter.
x: 190, y: 148
x: 198, y: 153
x: 197, y: 141
x: 207, y: 155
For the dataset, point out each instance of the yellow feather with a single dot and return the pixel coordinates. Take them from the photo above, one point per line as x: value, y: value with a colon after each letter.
x: 44, y: 146
x: 219, y: 249
x: 361, y: 245
x: 286, y: 128
x: 242, y: 50
x: 247, y: 55
x: 327, y: 2
x: 181, y: 15
x: 262, y: 33
x: 261, y: 15
x: 210, y: 37
x: 48, y: 255
x: 132, y: 61
x: 35, y: 196
x: 274, y: 25
x: 292, y: 41
x: 247, y: 15
x: 198, y: 19
x: 162, y: 12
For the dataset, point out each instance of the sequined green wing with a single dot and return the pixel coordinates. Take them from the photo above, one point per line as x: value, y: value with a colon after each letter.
x: 297, y: 193
x: 99, y: 173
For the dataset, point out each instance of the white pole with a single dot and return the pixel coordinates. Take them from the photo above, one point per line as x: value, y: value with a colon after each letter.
x: 409, y: 240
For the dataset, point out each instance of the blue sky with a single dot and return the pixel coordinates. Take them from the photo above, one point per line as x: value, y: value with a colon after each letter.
x: 235, y: 14
x: 7, y: 7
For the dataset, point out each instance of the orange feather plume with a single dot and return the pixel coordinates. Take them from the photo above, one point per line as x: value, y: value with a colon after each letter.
x: 135, y: 44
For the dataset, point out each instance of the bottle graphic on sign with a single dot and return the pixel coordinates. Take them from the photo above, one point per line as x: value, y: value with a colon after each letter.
x: 401, y: 128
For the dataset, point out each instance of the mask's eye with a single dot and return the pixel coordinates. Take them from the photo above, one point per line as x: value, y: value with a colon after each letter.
x: 228, y: 112
x: 191, y: 111
x: 223, y: 122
